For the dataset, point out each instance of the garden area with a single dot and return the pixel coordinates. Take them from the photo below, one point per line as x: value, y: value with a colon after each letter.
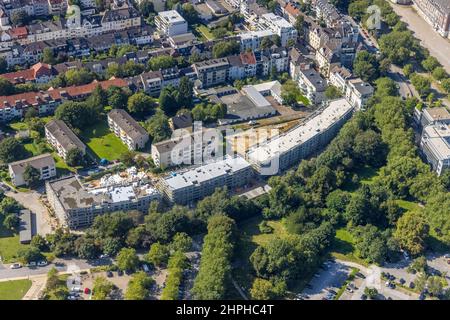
x: 14, y: 290
x: 9, y: 244
x: 102, y: 142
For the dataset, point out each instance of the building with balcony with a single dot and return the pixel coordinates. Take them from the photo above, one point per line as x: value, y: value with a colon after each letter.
x: 44, y: 163
x: 185, y: 187
x: 310, y: 136
x: 62, y: 139
x: 127, y: 129
x: 170, y: 23
x: 435, y: 146
x: 76, y: 205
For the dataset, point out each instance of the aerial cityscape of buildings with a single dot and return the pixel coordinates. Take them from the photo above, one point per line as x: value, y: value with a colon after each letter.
x: 196, y: 130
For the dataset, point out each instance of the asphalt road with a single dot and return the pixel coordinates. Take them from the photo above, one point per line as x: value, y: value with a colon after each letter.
x: 69, y: 265
x: 438, y: 46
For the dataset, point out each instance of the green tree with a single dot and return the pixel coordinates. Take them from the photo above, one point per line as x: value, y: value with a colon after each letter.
x: 225, y: 48
x: 74, y: 157
x: 76, y: 77
x: 158, y: 127
x: 29, y: 254
x: 168, y: 100
x: 439, y: 73
x: 31, y: 175
x: 102, y: 288
x: 332, y: 92
x: 127, y: 259
x: 371, y: 293
x: 422, y: 84
x: 139, y: 286
x: 366, y: 66
x: 11, y: 222
x: 6, y: 87
x: 161, y: 62
x: 12, y: 150
x: 19, y: 18
x: 39, y: 242
x: 181, y: 242
x: 430, y: 63
x: 262, y: 289
x: 412, y: 231
x: 140, y: 103
x: 158, y: 254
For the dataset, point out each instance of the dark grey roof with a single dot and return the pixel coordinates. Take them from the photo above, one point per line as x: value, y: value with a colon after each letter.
x: 127, y: 123
x: 65, y: 137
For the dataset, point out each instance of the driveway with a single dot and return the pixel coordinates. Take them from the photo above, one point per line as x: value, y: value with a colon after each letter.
x: 30, y: 200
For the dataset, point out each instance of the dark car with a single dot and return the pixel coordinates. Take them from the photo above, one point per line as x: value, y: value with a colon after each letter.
x: 360, y: 275
x: 109, y: 274
x: 422, y: 296
x: 120, y: 273
x: 412, y: 285
x: 363, y: 297
x: 402, y: 281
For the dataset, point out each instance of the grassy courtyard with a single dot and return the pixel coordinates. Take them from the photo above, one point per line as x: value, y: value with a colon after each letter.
x: 103, y: 142
x: 204, y: 31
x: 14, y: 290
x: 9, y: 244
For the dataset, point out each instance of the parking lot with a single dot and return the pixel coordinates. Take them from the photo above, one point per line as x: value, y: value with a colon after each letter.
x: 327, y: 280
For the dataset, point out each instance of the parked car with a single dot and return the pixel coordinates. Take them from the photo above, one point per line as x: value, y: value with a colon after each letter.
x: 412, y: 285
x: 145, y: 268
x: 104, y: 256
x: 16, y: 266
x: 331, y: 291
x: 109, y: 274
x: 363, y: 297
x: 87, y: 290
x: 349, y: 289
x: 402, y: 281
x: 360, y: 275
x: 32, y: 264
x: 42, y: 263
x: 120, y: 273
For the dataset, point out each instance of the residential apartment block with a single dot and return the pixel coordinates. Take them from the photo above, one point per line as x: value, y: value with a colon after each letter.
x: 193, y: 184
x: 76, y: 206
x: 279, y: 26
x: 435, y: 146
x: 436, y: 13
x: 44, y: 163
x: 38, y: 73
x: 187, y: 148
x: 312, y: 85
x: 62, y: 139
x: 212, y: 72
x: 308, y: 137
x: 127, y: 129
x: 170, y: 23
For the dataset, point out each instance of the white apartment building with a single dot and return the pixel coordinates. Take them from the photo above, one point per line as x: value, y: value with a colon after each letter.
x: 62, y: 139
x: 358, y: 92
x: 290, y: 148
x: 187, y: 148
x: 44, y: 163
x: 76, y: 206
x: 185, y: 187
x: 312, y: 85
x: 279, y: 26
x: 170, y: 23
x: 435, y: 145
x: 127, y: 129
x: 252, y: 40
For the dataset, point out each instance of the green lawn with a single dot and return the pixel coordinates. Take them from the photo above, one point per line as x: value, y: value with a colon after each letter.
x: 103, y: 142
x: 408, y: 205
x: 343, y: 247
x: 249, y: 238
x: 301, y: 98
x: 14, y: 290
x: 204, y: 30
x: 31, y: 147
x: 9, y: 244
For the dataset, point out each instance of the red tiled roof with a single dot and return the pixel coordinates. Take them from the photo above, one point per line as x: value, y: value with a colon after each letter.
x: 35, y: 98
x: 36, y: 71
x: 248, y: 58
x: 289, y: 8
x: 18, y: 32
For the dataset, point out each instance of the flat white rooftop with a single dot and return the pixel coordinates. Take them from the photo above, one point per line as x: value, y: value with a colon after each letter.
x: 171, y: 16
x: 258, y: 33
x: 206, y: 172
x: 299, y: 135
x: 439, y: 140
x: 277, y: 20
